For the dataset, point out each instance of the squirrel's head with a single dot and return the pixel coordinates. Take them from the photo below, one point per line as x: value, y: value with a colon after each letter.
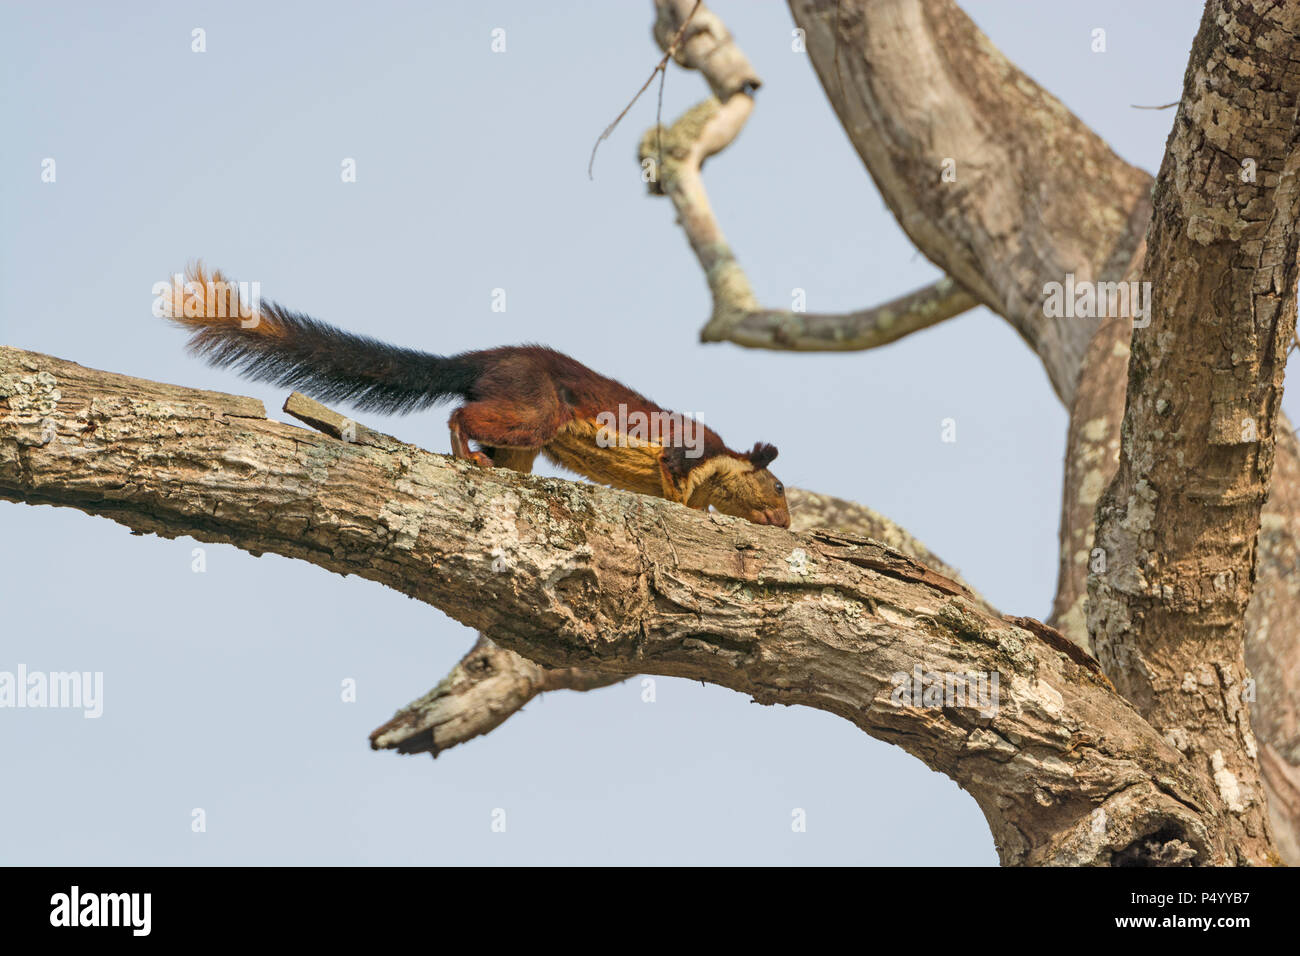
x: 748, y: 490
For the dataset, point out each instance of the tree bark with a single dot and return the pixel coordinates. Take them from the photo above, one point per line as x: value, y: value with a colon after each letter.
x: 1178, y: 526
x: 490, y: 683
x: 918, y: 87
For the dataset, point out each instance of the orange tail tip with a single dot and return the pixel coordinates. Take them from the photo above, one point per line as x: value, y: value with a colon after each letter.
x: 201, y: 300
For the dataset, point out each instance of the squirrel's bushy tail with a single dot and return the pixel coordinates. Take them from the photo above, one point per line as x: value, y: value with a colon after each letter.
x: 268, y: 343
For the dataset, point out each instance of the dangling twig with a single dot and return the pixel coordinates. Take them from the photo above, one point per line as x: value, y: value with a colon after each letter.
x: 662, y: 67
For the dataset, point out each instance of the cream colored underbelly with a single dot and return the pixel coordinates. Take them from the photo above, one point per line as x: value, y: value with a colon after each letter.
x: 628, y: 463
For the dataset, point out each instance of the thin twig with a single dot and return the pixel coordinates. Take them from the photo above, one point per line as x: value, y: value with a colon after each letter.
x: 659, y: 124
x: 1165, y: 107
x: 662, y: 67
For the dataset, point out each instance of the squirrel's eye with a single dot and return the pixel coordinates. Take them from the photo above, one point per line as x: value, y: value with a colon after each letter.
x: 780, y: 488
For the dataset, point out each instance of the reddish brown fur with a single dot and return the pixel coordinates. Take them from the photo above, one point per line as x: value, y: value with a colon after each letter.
x: 528, y: 393
x: 521, y: 401
x: 532, y: 399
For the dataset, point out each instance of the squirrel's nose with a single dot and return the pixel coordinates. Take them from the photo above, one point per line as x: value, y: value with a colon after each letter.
x: 778, y: 517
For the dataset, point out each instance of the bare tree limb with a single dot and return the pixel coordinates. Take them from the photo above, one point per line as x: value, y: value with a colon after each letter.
x: 491, y: 683
x: 737, y: 317
x: 708, y: 47
x: 488, y: 685
x: 790, y: 331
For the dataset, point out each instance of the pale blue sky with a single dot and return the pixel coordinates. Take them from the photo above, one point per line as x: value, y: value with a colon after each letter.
x: 222, y: 688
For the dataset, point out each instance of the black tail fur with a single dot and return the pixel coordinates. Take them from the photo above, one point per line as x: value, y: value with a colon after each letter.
x: 296, y: 351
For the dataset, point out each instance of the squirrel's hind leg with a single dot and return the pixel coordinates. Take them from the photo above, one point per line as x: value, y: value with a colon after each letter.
x: 515, y: 431
x: 460, y: 447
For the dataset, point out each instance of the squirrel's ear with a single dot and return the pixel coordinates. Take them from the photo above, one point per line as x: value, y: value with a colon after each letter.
x: 761, y: 455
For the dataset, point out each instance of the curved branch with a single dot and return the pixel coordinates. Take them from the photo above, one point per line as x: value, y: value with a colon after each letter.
x: 680, y: 151
x: 573, y: 575
x: 677, y: 155
x: 790, y: 331
x: 707, y: 47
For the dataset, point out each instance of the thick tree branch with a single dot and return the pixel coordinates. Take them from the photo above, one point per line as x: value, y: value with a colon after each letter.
x: 575, y: 575
x: 920, y: 90
x: 490, y: 683
x: 1273, y: 645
